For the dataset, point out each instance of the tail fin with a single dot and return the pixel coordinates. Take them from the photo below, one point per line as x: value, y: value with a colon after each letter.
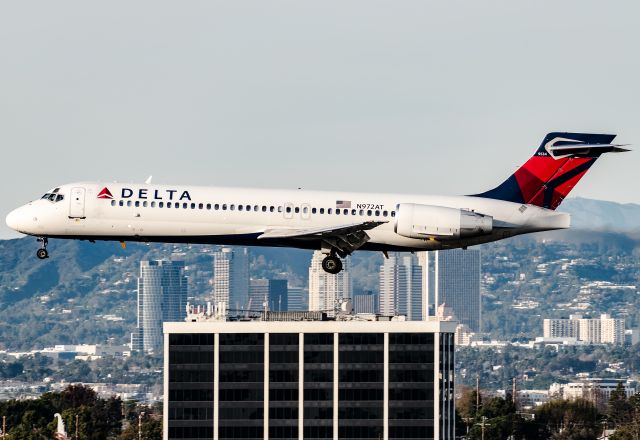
x: 556, y: 167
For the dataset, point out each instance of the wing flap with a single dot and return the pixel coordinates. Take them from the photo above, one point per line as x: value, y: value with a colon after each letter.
x: 330, y: 231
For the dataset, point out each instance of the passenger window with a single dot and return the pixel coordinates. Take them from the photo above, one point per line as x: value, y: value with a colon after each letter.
x: 345, y: 211
x: 224, y: 207
x: 337, y: 212
x: 305, y: 210
x: 200, y: 206
x: 362, y: 212
x: 393, y: 213
x: 113, y: 203
x: 288, y: 209
x: 313, y: 210
x: 153, y: 204
x: 377, y: 213
x: 161, y: 204
x: 248, y: 208
x: 185, y: 205
x: 297, y: 209
x: 353, y: 212
x: 329, y: 211
x: 121, y: 203
x: 216, y: 206
x: 240, y: 207
x: 271, y: 208
x: 144, y: 204
x: 321, y: 210
x: 232, y: 207
x: 369, y: 212
x: 137, y: 204
x: 128, y: 202
x: 169, y: 205
x: 384, y: 213
x: 208, y: 205
x: 264, y: 208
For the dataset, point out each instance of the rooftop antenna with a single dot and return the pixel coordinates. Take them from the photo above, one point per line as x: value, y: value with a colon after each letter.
x: 148, y: 181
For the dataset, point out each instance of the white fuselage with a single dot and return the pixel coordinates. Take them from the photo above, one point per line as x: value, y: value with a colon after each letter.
x: 161, y: 213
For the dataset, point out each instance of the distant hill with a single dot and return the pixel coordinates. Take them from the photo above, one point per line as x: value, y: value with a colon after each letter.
x: 602, y: 215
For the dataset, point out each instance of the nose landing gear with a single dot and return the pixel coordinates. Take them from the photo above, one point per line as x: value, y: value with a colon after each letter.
x: 42, y: 252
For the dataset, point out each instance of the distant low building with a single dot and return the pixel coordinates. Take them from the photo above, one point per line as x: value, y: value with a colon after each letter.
x: 365, y: 303
x: 596, y: 390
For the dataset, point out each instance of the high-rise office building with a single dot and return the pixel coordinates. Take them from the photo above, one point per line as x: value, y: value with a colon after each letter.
x: 298, y: 299
x: 162, y: 297
x: 326, y: 290
x: 366, y: 302
x: 269, y: 294
x: 309, y: 380
x: 401, y: 286
x: 231, y: 278
x: 456, y: 283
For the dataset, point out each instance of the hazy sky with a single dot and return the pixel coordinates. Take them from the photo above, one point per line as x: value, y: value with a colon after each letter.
x: 403, y: 96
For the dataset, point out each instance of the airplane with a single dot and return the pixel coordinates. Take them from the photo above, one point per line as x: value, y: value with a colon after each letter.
x: 337, y: 223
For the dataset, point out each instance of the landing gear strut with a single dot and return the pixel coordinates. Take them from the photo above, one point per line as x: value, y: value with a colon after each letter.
x: 332, y: 264
x: 42, y: 252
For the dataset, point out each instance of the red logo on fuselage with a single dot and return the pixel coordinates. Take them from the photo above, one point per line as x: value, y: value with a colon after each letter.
x: 105, y: 194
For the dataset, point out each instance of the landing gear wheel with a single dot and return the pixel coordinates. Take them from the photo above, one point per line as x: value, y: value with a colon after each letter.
x: 42, y: 254
x: 332, y: 265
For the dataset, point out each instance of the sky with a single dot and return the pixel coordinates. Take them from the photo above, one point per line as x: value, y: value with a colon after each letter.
x: 403, y: 96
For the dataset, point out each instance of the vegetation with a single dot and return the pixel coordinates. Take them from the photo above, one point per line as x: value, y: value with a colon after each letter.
x: 96, y: 418
x: 558, y: 419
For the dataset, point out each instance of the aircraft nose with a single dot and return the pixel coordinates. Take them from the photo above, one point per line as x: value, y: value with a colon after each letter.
x: 15, y: 218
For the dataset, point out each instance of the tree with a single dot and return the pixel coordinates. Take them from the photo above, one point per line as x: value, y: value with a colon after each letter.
x: 569, y: 420
x: 619, y: 410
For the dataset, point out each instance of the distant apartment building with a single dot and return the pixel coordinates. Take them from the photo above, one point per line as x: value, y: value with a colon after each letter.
x: 162, y: 297
x: 327, y: 290
x: 298, y: 299
x: 603, y: 330
x: 401, y: 286
x: 269, y: 294
x: 452, y: 277
x: 231, y: 278
x: 365, y: 303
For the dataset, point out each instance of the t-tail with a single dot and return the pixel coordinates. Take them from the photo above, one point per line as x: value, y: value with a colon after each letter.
x: 555, y: 168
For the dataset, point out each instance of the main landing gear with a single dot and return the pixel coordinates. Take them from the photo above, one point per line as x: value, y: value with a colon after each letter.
x: 332, y: 264
x: 42, y: 252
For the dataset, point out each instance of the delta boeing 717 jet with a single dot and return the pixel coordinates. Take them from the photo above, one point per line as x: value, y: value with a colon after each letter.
x: 337, y: 223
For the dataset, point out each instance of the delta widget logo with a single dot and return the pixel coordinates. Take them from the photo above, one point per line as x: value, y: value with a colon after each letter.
x: 105, y: 194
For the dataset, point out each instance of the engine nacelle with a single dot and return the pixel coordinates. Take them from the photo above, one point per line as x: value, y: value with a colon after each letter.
x: 425, y: 221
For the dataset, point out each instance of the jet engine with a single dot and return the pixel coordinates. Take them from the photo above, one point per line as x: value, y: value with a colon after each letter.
x: 425, y: 221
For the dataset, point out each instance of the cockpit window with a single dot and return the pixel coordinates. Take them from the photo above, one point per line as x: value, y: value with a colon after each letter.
x: 53, y: 196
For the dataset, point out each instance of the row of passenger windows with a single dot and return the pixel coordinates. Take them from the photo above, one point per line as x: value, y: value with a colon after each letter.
x: 253, y: 208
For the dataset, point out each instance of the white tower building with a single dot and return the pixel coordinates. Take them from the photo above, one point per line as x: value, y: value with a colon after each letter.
x: 401, y: 286
x: 325, y: 290
x: 231, y: 277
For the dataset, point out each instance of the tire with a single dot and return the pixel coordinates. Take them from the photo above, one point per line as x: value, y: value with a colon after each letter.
x: 332, y: 265
x: 42, y: 254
